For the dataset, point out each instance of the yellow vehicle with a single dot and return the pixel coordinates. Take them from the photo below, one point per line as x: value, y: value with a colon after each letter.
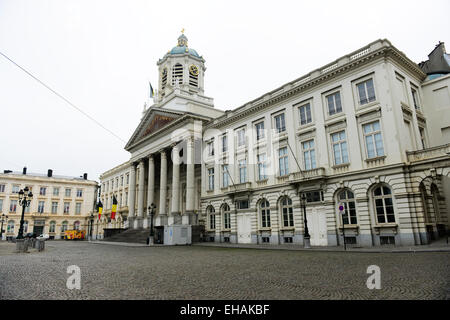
x: 74, y: 235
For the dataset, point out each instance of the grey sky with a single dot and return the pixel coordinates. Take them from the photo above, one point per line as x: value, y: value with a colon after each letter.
x: 101, y: 55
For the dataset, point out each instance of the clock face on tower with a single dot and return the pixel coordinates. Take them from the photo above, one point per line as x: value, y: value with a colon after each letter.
x: 193, y: 69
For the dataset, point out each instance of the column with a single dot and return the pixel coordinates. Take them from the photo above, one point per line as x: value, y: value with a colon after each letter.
x: 141, y: 189
x: 132, y: 195
x: 175, y: 214
x: 162, y: 217
x: 190, y: 183
x: 151, y: 187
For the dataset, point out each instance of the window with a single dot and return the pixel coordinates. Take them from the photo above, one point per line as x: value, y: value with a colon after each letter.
x: 128, y: 179
x: 347, y: 199
x: 56, y: 192
x: 241, y: 137
x: 309, y: 154
x: 334, y: 103
x: 15, y: 189
x: 1, y: 205
x: 422, y: 137
x: 387, y: 240
x: 280, y: 124
x: 305, y: 114
x: 384, y: 207
x: 264, y: 208
x: 41, y: 206
x: 261, y: 160
x: 76, y: 225
x: 259, y: 130
x: 210, y: 146
x: 42, y: 191
x: 126, y: 199
x: 211, y: 179
x: 54, y: 207
x: 339, y: 145
x: 265, y: 239
x: 177, y: 74
x: 242, y: 204
x: 64, y: 226
x: 13, y: 206
x: 52, y: 227
x: 372, y: 137
x: 121, y: 181
x: 211, y: 218
x: 283, y: 161
x: 224, y: 175
x: 366, y: 92
x: 66, y: 207
x: 78, y: 208
x: 287, y: 212
x: 224, y: 143
x: 314, y: 196
x: 25, y: 226
x: 117, y: 183
x: 415, y: 98
x: 242, y: 171
x: 2, y: 188
x: 80, y: 191
x: 120, y: 200
x: 226, y: 216
x: 10, y: 227
x: 68, y: 192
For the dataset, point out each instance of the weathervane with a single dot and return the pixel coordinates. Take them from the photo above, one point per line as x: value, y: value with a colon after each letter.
x: 182, y: 30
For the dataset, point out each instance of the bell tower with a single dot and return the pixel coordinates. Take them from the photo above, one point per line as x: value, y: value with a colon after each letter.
x: 182, y: 70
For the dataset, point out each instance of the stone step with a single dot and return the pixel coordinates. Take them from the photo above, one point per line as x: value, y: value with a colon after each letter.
x: 130, y: 236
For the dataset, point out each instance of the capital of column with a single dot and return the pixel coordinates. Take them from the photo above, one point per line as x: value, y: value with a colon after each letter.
x: 163, y: 153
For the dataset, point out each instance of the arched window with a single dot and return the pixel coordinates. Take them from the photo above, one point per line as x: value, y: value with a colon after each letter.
x: 25, y: 226
x: 52, y: 227
x: 177, y: 74
x: 211, y: 218
x: 435, y: 196
x: 64, y: 226
x: 226, y: 213
x: 76, y: 225
x: 347, y: 198
x: 264, y: 209
x: 10, y: 227
x: 287, y: 212
x: 384, y: 206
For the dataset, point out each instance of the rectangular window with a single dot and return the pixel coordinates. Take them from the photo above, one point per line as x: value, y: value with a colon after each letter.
x: 128, y: 179
x: 242, y: 204
x: 265, y: 239
x: 54, y: 207
x: 13, y: 206
x: 280, y: 124
x: 242, y: 171
x: 56, y: 192
x: 373, y: 139
x: 41, y: 206
x: 42, y: 191
x: 15, y: 189
x: 1, y: 205
x: 78, y: 208
x: 121, y: 181
x: 366, y: 92
x: 261, y: 160
x: 339, y: 145
x: 241, y: 137
x: 126, y: 199
x: 212, y: 221
x: 68, y: 192
x: 334, y: 103
x: 2, y: 188
x: 224, y: 175
x: 422, y: 137
x: 211, y: 179
x: 415, y: 98
x: 79, y: 193
x: 66, y: 207
x: 117, y: 182
x: 313, y: 196
x: 305, y: 114
x: 283, y: 161
x: 224, y: 143
x: 210, y: 146
x: 227, y: 220
x: 259, y: 130
x: 309, y: 154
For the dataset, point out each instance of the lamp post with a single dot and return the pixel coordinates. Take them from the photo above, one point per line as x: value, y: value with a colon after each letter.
x: 306, y: 237
x: 151, y: 209
x: 24, y: 200
x: 4, y: 219
x: 91, y: 226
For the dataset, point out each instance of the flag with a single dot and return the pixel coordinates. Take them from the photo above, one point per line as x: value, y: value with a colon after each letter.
x: 114, y: 208
x: 99, y: 209
x: 151, y: 90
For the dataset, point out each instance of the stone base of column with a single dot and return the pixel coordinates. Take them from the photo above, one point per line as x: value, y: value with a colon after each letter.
x: 161, y: 220
x: 130, y: 221
x: 145, y: 223
x: 137, y: 224
x: 174, y: 218
x: 185, y: 219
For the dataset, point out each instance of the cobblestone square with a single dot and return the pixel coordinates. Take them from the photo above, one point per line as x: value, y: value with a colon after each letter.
x: 196, y: 272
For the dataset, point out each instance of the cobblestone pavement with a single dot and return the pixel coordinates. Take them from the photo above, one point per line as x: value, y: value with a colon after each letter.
x: 195, y: 272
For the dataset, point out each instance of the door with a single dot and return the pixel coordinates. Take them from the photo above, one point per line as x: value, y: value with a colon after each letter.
x: 317, y: 227
x: 38, y: 230
x: 244, y: 229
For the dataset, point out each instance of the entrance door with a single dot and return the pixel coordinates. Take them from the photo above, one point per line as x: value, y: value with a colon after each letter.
x: 317, y: 227
x: 244, y: 229
x: 38, y: 230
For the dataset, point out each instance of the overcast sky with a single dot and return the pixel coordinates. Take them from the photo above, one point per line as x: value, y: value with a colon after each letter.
x: 101, y: 55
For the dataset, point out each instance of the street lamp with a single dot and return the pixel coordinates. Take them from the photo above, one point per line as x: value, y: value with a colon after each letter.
x: 92, y: 224
x: 306, y: 237
x: 151, y: 209
x: 4, y: 219
x: 24, y: 200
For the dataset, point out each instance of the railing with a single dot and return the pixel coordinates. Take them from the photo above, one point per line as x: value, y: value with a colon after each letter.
x: 308, y: 174
x: 428, y: 153
x: 329, y: 68
x: 239, y: 187
x: 359, y: 54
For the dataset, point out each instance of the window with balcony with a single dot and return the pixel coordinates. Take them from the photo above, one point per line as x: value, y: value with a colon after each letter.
x: 283, y: 161
x: 211, y: 179
x: 309, y: 154
x: 339, y: 145
x: 373, y: 139
x: 242, y: 171
x: 224, y: 175
x: 366, y: 92
x: 261, y: 160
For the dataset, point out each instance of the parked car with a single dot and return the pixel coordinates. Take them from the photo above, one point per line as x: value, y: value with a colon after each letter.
x: 43, y: 236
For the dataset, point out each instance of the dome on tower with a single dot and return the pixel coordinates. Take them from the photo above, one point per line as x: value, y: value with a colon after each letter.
x: 182, y: 47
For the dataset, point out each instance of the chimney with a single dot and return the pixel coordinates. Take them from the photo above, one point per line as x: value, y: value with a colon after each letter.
x: 7, y: 171
x: 49, y: 173
x: 24, y: 170
x: 85, y: 176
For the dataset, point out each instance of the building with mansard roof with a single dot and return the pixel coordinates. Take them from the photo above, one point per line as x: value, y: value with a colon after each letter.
x: 359, y: 147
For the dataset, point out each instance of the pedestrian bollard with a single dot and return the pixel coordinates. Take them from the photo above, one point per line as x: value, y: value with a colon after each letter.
x: 40, y: 245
